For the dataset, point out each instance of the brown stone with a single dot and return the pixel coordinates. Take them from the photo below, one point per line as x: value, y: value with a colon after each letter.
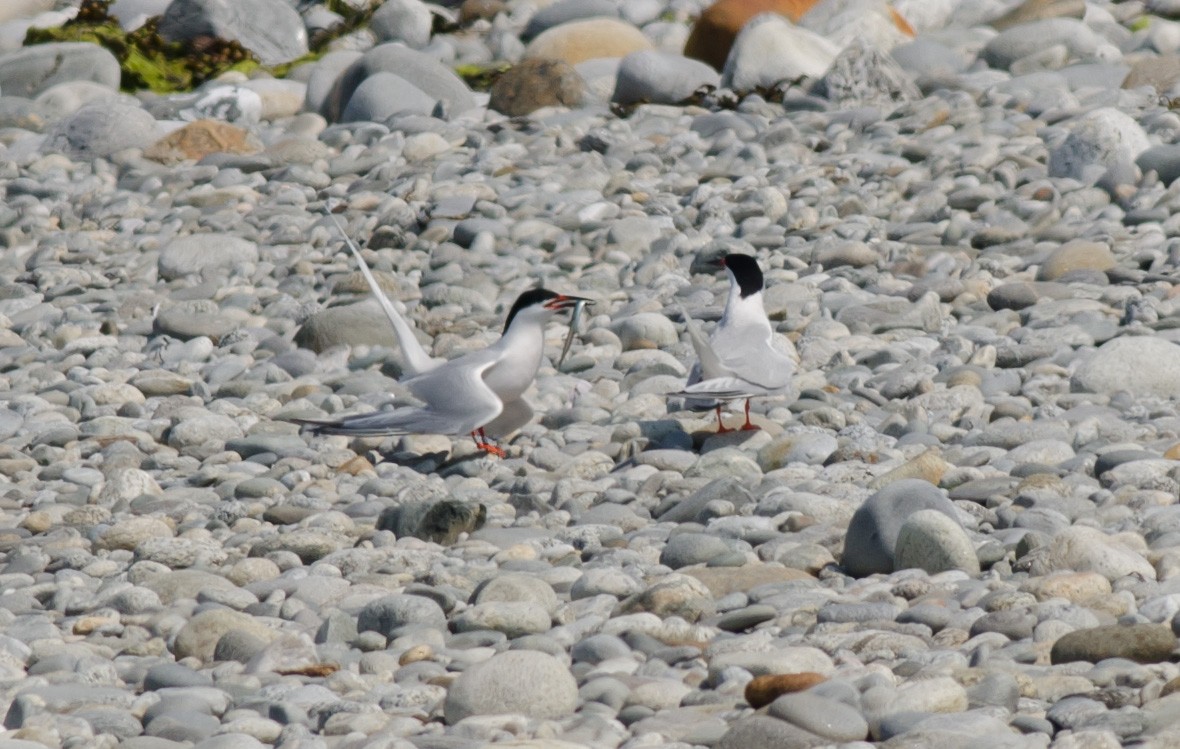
x: 721, y: 581
x: 929, y: 466
x: 1040, y: 10
x: 536, y: 83
x: 1171, y: 687
x: 480, y: 10
x: 1076, y: 254
x: 1142, y: 643
x: 197, y: 140
x: 1161, y: 72
x: 356, y: 466
x: 763, y: 690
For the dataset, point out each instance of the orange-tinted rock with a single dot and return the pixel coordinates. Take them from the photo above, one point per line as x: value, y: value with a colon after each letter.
x: 763, y: 690
x: 480, y: 10
x: 197, y: 140
x: 587, y: 39
x: 713, y: 33
x: 1171, y: 687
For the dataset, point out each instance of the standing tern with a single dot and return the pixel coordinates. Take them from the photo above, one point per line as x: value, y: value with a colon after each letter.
x: 476, y: 393
x: 739, y: 360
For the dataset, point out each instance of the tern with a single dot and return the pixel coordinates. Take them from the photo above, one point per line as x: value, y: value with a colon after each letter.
x: 739, y: 360
x: 474, y: 394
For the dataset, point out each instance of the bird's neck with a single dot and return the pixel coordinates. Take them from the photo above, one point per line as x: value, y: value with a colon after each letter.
x: 522, y: 345
x: 742, y: 311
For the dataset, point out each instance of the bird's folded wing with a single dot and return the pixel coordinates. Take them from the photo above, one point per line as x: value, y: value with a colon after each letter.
x: 749, y: 354
x: 456, y: 392
x: 415, y: 357
x: 710, y: 365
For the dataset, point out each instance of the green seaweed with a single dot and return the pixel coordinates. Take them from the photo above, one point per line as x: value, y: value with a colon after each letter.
x: 146, y: 59
x: 481, y: 77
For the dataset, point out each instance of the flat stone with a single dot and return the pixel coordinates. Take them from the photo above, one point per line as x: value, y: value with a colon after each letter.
x: 1142, y: 643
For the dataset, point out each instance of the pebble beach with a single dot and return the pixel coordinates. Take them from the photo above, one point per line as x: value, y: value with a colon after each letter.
x: 961, y: 532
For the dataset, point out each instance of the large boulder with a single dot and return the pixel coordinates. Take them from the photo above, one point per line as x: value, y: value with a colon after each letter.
x: 418, y: 69
x: 271, y: 29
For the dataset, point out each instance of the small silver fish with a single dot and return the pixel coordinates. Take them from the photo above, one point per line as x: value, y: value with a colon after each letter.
x: 575, y: 319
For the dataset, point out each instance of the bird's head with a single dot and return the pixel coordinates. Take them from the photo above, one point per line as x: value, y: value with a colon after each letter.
x: 743, y: 272
x: 540, y: 304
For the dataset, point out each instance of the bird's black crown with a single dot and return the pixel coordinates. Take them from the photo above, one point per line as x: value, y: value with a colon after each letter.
x: 745, y: 271
x: 528, y: 299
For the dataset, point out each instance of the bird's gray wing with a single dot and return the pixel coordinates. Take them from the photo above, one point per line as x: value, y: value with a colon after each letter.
x: 516, y: 414
x: 457, y: 399
x: 415, y: 357
x: 747, y: 353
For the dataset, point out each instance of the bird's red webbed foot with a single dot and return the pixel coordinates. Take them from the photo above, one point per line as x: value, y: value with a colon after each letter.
x: 749, y: 426
x: 483, y: 443
x: 721, y: 428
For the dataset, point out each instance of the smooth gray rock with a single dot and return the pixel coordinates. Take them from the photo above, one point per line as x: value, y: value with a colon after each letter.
x: 1163, y: 159
x: 932, y: 541
x: 684, y: 549
x: 417, y: 68
x: 658, y: 77
x: 564, y: 11
x: 66, y: 98
x: 928, y: 57
x: 199, y: 253
x: 406, y: 21
x: 513, y: 618
x: 1028, y: 39
x: 387, y: 615
x: 349, y: 325
x: 1141, y: 365
x: 524, y: 682
x: 384, y: 94
x: 764, y: 731
x: 271, y: 29
x: 32, y: 70
x: 871, y: 540
x: 102, y: 128
x: 822, y: 716
x: 516, y: 587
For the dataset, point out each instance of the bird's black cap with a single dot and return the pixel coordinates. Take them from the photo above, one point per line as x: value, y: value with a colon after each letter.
x: 528, y: 299
x: 745, y: 271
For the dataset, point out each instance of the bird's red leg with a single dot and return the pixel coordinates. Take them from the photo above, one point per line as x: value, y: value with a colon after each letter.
x: 475, y: 439
x: 721, y: 425
x: 749, y: 426
x: 483, y: 443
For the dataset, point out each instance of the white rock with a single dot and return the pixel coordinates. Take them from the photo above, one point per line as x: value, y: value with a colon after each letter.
x: 771, y: 49
x: 1100, y: 140
x: 1084, y: 549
